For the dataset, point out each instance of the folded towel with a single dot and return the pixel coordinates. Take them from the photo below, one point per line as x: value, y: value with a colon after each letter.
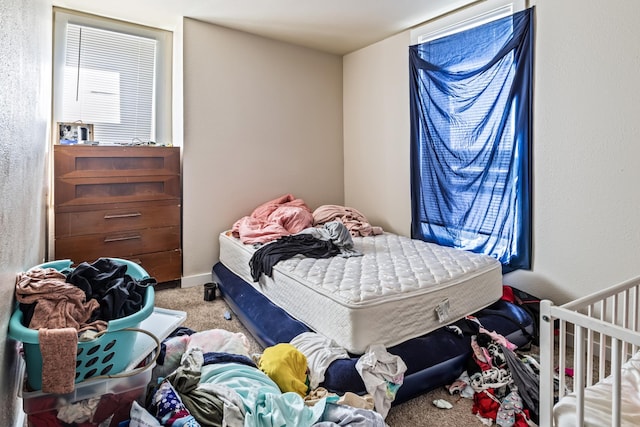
x: 59, y: 349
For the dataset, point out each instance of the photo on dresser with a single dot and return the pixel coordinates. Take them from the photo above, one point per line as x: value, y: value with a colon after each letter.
x: 74, y: 133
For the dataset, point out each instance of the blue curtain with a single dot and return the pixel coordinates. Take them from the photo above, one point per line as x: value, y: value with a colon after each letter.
x: 471, y: 96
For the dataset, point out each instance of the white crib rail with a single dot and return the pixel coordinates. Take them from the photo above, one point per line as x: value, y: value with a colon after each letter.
x: 604, y: 326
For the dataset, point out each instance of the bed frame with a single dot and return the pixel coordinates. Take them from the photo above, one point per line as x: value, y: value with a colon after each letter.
x: 433, y: 360
x: 602, y: 330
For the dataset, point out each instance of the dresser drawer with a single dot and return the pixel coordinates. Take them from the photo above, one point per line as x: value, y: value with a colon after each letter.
x: 120, y: 244
x: 88, y: 161
x: 163, y: 266
x: 72, y: 193
x: 134, y: 217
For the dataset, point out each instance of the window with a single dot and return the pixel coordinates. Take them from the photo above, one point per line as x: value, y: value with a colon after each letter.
x: 470, y: 135
x: 113, y: 75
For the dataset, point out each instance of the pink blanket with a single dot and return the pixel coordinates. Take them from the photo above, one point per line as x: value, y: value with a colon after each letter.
x: 274, y: 219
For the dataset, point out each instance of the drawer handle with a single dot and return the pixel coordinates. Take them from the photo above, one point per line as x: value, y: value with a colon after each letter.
x: 127, y: 215
x: 120, y: 239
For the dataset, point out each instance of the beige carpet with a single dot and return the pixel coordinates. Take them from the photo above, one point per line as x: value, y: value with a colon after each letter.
x: 418, y: 412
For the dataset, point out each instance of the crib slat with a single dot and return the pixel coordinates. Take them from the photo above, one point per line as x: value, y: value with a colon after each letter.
x: 623, y: 319
x: 603, y: 341
x: 562, y: 356
x: 634, y: 315
x: 578, y: 374
x: 590, y: 349
x: 616, y: 368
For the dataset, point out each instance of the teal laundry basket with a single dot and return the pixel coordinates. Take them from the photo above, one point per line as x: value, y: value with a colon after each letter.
x: 108, y: 354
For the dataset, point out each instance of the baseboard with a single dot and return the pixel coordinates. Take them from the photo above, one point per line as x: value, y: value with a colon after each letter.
x: 195, y: 280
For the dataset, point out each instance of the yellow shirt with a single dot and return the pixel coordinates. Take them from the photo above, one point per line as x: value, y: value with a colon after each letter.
x: 287, y: 367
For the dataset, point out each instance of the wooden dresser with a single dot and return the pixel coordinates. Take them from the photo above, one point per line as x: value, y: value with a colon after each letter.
x: 120, y: 202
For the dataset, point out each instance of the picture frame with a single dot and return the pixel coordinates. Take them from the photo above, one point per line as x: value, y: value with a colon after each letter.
x: 69, y: 133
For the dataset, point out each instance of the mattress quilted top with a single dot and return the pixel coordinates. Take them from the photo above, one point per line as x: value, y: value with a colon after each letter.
x: 391, y: 266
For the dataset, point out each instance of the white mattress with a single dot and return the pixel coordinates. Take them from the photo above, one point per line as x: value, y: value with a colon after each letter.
x: 399, y: 289
x: 597, y: 400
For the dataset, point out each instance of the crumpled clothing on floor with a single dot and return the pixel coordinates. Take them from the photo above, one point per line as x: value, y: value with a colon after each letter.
x: 320, y: 352
x: 383, y: 374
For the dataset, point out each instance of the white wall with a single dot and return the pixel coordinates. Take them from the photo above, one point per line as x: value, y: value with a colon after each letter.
x: 376, y: 133
x: 586, y: 133
x: 25, y: 70
x: 262, y: 119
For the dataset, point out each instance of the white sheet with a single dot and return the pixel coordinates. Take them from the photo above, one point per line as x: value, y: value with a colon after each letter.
x: 400, y: 289
x: 597, y: 400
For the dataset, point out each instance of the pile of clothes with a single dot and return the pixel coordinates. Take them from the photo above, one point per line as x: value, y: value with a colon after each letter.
x: 288, y: 214
x: 504, y: 385
x: 208, y: 378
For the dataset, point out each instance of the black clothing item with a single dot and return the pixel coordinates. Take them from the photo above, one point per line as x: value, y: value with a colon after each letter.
x: 27, y: 312
x: 531, y: 305
x: 118, y: 293
x: 526, y: 380
x: 464, y: 327
x: 263, y: 260
x: 214, y: 357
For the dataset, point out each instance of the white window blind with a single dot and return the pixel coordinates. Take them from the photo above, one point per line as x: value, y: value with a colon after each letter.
x: 473, y: 16
x: 113, y: 75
